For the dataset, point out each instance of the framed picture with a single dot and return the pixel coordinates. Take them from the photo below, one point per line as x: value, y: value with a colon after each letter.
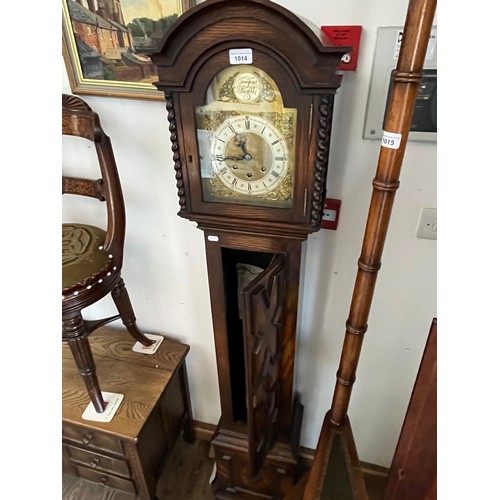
x: 105, y: 44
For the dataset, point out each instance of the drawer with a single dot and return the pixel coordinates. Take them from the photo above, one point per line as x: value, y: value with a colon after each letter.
x: 92, y: 439
x: 97, y: 461
x: 106, y: 479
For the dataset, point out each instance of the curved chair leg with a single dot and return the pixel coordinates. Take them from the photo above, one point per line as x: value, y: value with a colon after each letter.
x: 124, y: 306
x: 75, y: 334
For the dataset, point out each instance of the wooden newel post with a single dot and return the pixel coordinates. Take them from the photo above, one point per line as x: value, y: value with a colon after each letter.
x: 405, y: 78
x: 336, y: 471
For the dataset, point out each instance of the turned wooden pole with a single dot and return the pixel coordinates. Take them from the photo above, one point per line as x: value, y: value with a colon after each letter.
x: 406, y: 78
x: 328, y: 477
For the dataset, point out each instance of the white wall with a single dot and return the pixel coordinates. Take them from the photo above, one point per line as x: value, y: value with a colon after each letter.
x: 165, y: 271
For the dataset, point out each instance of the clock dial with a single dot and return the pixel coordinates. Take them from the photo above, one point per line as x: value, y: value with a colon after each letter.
x: 249, y: 155
x: 246, y: 140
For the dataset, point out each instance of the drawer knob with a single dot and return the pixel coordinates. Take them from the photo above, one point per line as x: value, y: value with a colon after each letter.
x: 103, y: 480
x: 88, y: 438
x: 94, y: 462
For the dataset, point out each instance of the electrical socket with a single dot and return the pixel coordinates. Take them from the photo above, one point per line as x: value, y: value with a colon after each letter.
x: 427, y: 225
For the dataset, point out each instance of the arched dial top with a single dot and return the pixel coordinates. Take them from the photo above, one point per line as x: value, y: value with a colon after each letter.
x: 246, y: 140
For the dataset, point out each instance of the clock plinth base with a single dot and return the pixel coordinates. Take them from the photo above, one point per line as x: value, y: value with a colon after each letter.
x: 276, y: 478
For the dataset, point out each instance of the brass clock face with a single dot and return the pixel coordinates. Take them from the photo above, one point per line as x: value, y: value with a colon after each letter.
x: 246, y: 140
x: 249, y: 155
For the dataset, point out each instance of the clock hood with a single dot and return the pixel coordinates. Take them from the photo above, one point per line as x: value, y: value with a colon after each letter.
x: 278, y: 186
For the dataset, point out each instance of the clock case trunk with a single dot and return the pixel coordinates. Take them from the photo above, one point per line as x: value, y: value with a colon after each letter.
x: 256, y: 442
x: 257, y: 438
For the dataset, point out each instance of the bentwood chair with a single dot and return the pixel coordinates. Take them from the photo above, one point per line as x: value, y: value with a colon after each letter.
x: 92, y: 256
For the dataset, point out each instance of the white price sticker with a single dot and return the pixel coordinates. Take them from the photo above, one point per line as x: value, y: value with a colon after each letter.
x: 391, y: 140
x: 240, y: 56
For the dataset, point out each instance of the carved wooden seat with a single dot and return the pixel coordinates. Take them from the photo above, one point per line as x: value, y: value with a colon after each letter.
x: 92, y: 256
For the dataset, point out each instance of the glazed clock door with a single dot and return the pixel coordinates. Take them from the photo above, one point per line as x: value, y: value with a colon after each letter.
x: 246, y: 140
x: 263, y: 302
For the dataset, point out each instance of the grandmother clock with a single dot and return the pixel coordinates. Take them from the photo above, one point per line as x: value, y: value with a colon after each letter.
x: 249, y: 88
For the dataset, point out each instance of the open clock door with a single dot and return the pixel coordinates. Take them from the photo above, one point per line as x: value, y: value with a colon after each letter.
x: 263, y: 300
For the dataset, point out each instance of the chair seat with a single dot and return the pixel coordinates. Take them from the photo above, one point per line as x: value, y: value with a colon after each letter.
x: 84, y: 262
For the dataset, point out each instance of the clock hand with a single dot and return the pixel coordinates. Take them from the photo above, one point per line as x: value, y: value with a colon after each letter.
x: 246, y: 154
x: 241, y: 141
x: 235, y: 158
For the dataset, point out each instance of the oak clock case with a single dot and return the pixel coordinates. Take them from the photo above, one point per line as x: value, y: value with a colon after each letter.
x: 250, y: 145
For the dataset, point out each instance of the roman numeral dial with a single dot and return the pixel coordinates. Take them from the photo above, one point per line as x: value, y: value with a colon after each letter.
x: 249, y: 155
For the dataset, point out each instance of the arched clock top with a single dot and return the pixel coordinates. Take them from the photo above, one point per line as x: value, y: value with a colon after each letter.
x: 218, y: 25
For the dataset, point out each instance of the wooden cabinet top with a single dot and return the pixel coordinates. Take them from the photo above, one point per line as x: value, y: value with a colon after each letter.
x: 141, y: 378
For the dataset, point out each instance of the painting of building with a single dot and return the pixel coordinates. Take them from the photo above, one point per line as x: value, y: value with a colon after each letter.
x: 111, y: 36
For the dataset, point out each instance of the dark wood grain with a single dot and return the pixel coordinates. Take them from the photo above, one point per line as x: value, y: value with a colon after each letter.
x: 126, y: 453
x: 185, y: 476
x: 121, y: 371
x: 413, y: 472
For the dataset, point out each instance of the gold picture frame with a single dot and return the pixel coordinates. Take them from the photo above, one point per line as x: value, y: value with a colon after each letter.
x: 105, y: 44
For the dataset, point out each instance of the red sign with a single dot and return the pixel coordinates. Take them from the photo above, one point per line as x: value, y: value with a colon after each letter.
x: 345, y: 36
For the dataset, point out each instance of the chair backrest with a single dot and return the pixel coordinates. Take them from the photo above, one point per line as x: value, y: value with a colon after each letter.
x: 79, y: 120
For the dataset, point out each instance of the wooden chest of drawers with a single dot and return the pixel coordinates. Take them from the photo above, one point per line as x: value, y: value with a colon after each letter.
x: 128, y: 452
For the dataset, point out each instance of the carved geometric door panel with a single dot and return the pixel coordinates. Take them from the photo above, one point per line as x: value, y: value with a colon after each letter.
x: 263, y: 306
